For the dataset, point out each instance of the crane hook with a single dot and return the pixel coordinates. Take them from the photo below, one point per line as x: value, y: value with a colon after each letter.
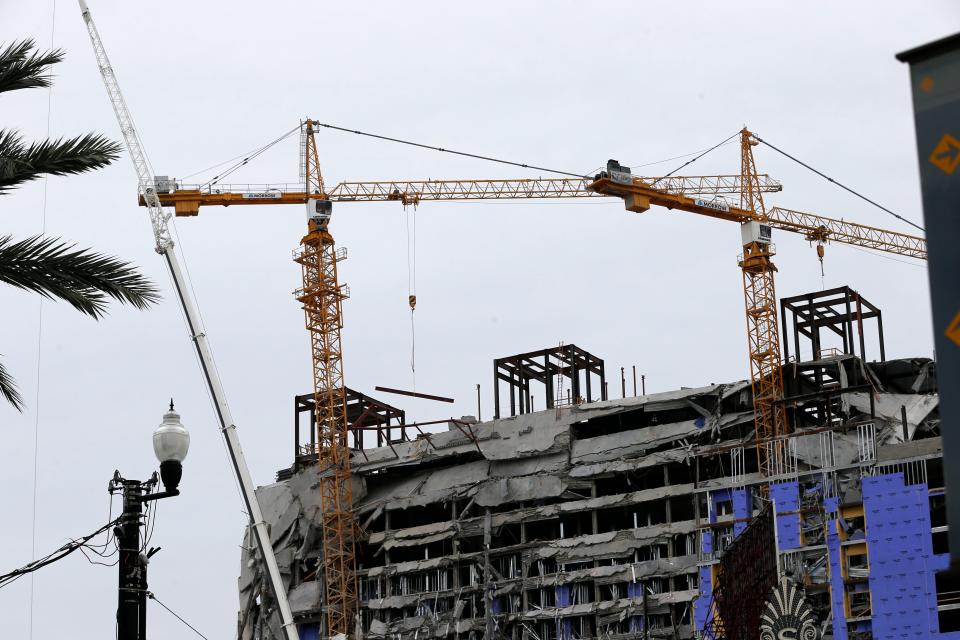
x: 413, y: 302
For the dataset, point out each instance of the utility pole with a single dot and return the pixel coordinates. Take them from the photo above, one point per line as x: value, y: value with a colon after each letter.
x: 170, y: 442
x: 132, y: 585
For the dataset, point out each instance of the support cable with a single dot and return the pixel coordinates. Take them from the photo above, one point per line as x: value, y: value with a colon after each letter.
x: 842, y: 186
x: 153, y: 597
x: 244, y: 156
x: 679, y: 157
x: 453, y: 151
x: 692, y: 160
x: 215, y: 179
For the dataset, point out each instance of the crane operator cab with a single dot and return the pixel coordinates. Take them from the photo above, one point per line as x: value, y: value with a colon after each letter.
x: 616, y: 172
x: 318, y: 213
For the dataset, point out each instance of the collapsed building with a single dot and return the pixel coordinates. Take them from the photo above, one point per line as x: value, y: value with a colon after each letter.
x: 637, y: 516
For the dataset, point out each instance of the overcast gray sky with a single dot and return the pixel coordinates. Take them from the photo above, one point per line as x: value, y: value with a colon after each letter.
x: 559, y: 84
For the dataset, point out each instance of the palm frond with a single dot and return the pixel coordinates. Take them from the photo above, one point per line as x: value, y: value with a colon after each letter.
x: 20, y: 163
x: 81, y: 277
x: 8, y: 389
x: 22, y: 67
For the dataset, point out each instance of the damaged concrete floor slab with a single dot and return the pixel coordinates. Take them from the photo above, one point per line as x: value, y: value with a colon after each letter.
x: 592, y: 520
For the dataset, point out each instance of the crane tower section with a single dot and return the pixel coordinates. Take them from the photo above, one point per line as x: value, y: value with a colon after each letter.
x: 763, y: 334
x: 322, y: 297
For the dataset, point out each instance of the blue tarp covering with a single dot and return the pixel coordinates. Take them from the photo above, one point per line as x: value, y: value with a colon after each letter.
x: 787, y: 497
x: 635, y: 590
x: 903, y: 590
x: 832, y: 505
x: 309, y: 631
x: 564, y: 625
x: 742, y: 510
x: 701, y: 608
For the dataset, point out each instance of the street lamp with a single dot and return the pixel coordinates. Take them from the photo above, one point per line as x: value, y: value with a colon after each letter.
x: 171, y: 441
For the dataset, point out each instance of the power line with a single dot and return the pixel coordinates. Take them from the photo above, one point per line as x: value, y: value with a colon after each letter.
x: 50, y: 558
x: 36, y: 411
x: 453, y: 151
x: 842, y: 186
x: 153, y: 597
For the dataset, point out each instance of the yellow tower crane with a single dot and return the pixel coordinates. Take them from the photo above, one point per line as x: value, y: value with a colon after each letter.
x: 322, y: 294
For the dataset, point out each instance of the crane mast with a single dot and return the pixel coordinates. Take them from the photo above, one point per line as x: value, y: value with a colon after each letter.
x: 159, y: 220
x: 322, y: 297
x: 763, y: 334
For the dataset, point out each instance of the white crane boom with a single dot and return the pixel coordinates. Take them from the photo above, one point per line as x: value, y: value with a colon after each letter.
x: 161, y: 231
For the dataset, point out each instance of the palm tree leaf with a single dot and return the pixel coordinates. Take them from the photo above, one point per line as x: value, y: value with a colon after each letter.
x: 21, y: 67
x: 20, y: 163
x: 81, y: 277
x: 8, y: 389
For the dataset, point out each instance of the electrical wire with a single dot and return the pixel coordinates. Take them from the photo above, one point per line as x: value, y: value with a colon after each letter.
x: 85, y: 548
x: 101, y: 549
x: 36, y: 411
x: 842, y: 186
x: 52, y: 557
x: 452, y: 151
x: 151, y: 525
x: 153, y: 597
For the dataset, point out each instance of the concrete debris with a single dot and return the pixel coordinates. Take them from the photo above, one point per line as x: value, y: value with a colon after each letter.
x: 594, y: 513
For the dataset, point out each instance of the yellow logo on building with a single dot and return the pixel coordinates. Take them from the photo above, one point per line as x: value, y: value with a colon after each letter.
x: 953, y: 331
x: 946, y: 156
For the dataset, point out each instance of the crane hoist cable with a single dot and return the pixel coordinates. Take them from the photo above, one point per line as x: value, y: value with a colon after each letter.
x: 411, y: 219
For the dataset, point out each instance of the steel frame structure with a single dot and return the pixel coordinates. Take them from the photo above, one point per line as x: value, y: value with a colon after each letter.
x: 364, y: 413
x: 839, y: 311
x: 566, y: 361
